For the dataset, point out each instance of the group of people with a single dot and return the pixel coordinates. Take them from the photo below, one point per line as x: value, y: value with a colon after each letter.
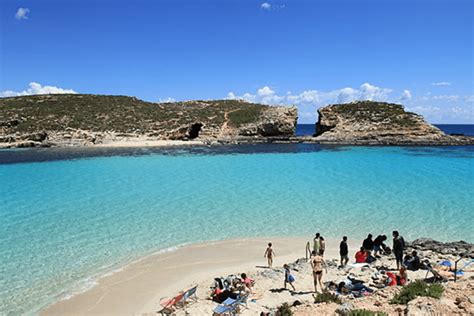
x: 232, y: 286
x: 370, y: 250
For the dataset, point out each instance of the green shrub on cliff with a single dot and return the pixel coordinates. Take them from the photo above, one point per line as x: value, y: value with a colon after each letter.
x: 327, y: 297
x: 415, y: 289
x: 284, y: 310
x: 244, y: 115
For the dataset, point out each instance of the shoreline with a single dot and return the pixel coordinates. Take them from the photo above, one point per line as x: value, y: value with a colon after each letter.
x: 95, y: 299
x: 137, y: 288
x: 147, y: 142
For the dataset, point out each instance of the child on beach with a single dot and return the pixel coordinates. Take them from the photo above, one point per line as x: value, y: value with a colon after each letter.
x: 269, y: 254
x: 289, y: 278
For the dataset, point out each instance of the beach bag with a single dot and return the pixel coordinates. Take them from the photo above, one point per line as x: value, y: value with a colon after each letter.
x: 291, y: 278
x: 370, y: 259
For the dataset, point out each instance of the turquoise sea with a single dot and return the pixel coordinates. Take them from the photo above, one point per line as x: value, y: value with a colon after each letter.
x: 68, y: 216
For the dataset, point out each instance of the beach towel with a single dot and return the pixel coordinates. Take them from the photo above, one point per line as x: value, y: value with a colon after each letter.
x: 358, y: 265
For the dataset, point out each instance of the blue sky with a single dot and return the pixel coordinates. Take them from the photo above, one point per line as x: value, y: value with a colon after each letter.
x: 307, y: 53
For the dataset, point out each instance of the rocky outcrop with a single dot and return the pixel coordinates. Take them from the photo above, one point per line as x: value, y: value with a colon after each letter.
x: 83, y: 120
x: 273, y: 121
x: 379, y: 123
x: 455, y: 248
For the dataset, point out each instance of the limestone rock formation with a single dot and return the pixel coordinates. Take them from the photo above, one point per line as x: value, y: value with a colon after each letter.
x: 82, y: 120
x: 378, y: 123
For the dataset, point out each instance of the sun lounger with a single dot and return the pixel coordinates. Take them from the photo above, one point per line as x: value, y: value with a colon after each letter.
x: 182, y: 299
x: 169, y: 305
x: 231, y: 306
x: 437, y: 275
x: 190, y: 294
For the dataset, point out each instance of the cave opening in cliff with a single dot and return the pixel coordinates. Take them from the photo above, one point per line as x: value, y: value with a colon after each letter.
x: 194, y: 130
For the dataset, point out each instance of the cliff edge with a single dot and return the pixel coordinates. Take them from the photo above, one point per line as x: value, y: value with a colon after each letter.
x: 83, y: 119
x: 379, y: 123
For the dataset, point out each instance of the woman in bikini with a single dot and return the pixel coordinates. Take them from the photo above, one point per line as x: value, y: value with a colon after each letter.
x: 317, y: 264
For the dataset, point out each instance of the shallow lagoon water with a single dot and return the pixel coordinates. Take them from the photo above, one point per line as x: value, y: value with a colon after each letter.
x: 68, y: 216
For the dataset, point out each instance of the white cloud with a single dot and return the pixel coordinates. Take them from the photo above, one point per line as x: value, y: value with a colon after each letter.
x: 36, y: 88
x: 267, y: 95
x: 309, y: 100
x: 167, y: 100
x: 448, y: 98
x: 266, y: 6
x: 265, y: 92
x: 436, y: 108
x: 441, y: 84
x: 406, y: 95
x: 22, y: 14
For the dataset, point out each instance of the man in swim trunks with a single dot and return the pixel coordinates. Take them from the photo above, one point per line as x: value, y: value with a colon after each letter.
x: 317, y: 264
x: 269, y: 254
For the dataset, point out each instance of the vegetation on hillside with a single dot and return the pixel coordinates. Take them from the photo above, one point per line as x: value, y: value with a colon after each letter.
x: 244, y: 115
x: 377, y: 112
x: 122, y: 114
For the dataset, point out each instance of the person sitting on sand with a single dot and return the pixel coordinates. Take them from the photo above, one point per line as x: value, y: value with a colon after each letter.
x: 248, y: 282
x: 361, y: 256
x: 412, y: 262
x: 379, y: 244
x: 322, y: 246
x: 391, y: 279
x: 317, y: 264
x: 368, y: 244
x: 402, y: 277
x: 344, y: 251
x: 269, y: 254
x: 316, y: 243
x: 289, y: 278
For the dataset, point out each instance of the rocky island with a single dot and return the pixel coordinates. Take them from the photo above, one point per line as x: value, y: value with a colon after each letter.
x: 379, y: 123
x: 85, y: 120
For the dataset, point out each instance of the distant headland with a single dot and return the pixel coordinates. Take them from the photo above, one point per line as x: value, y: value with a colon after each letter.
x: 64, y: 120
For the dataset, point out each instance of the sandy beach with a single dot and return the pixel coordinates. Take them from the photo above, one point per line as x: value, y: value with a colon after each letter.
x: 146, y: 142
x: 138, y: 288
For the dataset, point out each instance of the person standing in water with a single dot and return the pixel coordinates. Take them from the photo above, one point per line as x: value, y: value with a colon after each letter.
x: 317, y: 264
x: 316, y: 243
x: 269, y: 254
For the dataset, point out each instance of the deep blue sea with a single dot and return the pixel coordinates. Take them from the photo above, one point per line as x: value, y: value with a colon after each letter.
x: 70, y: 215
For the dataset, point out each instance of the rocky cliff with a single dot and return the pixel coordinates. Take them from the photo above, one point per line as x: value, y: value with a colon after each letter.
x: 379, y: 123
x: 78, y: 120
